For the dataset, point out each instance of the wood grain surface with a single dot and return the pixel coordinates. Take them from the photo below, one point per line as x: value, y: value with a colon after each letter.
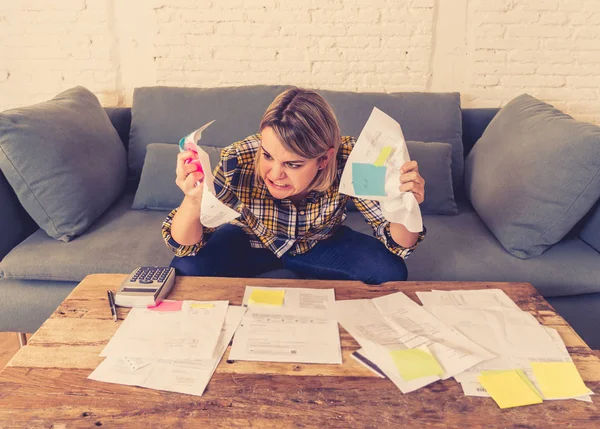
x: 45, y: 384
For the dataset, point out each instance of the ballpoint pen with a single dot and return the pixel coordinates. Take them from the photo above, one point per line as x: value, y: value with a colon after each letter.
x: 111, y: 302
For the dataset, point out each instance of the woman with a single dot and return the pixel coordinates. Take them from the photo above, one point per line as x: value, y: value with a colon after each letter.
x: 285, y: 183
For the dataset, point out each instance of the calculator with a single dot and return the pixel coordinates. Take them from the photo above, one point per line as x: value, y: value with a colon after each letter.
x: 145, y: 286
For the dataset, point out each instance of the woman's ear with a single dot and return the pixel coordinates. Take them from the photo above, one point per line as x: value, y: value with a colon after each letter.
x: 326, y: 158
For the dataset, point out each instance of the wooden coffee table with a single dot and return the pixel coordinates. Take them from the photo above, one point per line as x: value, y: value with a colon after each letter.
x: 46, y: 385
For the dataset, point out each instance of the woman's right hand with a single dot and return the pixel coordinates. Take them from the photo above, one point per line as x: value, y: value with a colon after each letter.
x: 190, y: 176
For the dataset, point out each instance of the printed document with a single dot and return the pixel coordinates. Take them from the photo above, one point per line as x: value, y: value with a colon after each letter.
x: 183, y: 376
x: 373, y: 170
x: 297, y: 298
x: 377, y: 337
x: 287, y: 335
x: 212, y: 212
x: 515, y: 336
x: 190, y: 334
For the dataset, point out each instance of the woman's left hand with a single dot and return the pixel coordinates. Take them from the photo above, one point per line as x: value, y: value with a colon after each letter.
x: 411, y: 180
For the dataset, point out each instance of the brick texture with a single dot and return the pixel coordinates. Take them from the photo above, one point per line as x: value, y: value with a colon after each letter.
x: 488, y: 51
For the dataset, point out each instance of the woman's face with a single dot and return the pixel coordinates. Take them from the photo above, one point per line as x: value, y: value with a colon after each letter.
x: 285, y: 173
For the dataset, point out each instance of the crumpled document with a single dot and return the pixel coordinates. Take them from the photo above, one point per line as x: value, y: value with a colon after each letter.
x: 373, y: 171
x: 213, y: 212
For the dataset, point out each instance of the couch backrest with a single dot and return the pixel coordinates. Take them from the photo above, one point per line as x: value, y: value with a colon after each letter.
x: 166, y: 114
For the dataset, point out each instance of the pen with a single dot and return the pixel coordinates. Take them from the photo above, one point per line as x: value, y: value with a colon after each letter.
x: 111, y: 302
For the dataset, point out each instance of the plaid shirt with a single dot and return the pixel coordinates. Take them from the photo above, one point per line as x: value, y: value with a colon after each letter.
x: 277, y: 224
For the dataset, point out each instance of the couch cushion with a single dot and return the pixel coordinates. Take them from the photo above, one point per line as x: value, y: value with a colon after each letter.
x: 461, y: 248
x: 426, y: 117
x: 64, y: 160
x: 591, y: 229
x: 435, y: 166
x: 157, y: 189
x: 533, y: 175
x: 121, y: 240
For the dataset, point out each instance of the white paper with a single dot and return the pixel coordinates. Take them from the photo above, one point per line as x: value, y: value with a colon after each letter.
x: 213, y: 212
x: 287, y: 335
x: 514, y: 335
x: 298, y: 298
x: 181, y: 376
x: 383, y: 131
x: 486, y: 298
x: 189, y: 334
x: 377, y: 337
x: 453, y: 350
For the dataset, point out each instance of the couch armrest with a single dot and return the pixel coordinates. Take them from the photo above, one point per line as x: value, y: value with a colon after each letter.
x: 15, y: 224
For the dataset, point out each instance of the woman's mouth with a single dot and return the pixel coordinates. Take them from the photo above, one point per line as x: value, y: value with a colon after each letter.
x: 278, y: 185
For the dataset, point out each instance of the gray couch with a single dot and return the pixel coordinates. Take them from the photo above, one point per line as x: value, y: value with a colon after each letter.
x: 39, y: 272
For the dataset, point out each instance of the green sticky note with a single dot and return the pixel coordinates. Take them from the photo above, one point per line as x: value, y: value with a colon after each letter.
x: 559, y: 380
x: 368, y: 179
x: 509, y: 389
x: 267, y: 297
x: 520, y: 373
x: 383, y: 156
x: 415, y: 363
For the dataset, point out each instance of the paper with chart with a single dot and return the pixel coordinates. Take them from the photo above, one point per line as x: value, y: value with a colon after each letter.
x: 515, y: 336
x: 182, y: 376
x: 190, y: 333
x: 279, y: 334
x: 213, y: 213
x: 290, y: 298
x: 372, y: 171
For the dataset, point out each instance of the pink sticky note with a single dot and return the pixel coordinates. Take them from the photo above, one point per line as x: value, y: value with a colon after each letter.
x: 167, y: 306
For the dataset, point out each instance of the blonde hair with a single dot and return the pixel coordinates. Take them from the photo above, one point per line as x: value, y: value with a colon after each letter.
x: 306, y: 125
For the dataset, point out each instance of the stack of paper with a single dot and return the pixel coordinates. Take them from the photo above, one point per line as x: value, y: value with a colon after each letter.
x: 523, y: 347
x: 407, y: 343
x: 288, y: 325
x: 175, y: 346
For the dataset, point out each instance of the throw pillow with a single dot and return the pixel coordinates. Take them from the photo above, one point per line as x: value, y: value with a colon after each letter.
x: 533, y: 174
x: 157, y: 189
x: 64, y: 160
x: 435, y: 166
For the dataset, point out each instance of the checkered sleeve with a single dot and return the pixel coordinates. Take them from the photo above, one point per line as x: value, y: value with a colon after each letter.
x: 181, y: 250
x: 372, y: 213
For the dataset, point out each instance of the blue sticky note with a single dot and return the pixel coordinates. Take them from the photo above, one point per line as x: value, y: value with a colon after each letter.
x: 368, y: 179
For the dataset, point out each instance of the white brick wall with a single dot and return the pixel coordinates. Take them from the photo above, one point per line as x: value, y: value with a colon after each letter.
x: 489, y: 51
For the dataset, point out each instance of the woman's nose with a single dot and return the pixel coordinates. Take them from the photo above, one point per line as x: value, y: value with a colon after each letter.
x: 277, y: 171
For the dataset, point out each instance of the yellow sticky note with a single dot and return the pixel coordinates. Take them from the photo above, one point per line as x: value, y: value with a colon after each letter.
x: 267, y: 297
x: 415, y: 363
x: 201, y: 305
x: 520, y: 373
x: 509, y: 389
x: 559, y: 379
x: 383, y: 156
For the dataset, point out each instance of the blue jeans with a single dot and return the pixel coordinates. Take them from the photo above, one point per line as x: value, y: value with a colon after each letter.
x: 346, y: 255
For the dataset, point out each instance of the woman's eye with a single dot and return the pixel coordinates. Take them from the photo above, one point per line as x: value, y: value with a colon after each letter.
x: 294, y: 165
x: 267, y: 156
